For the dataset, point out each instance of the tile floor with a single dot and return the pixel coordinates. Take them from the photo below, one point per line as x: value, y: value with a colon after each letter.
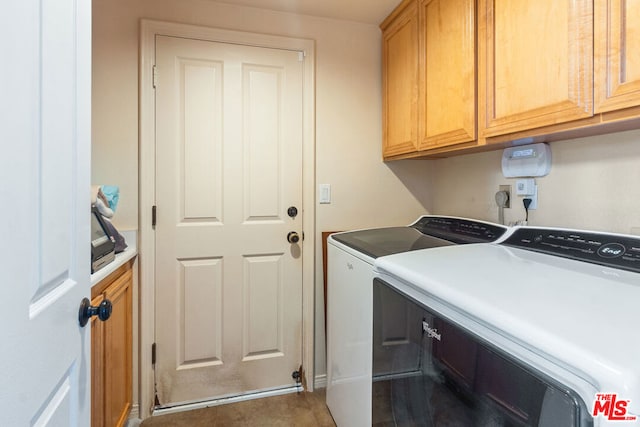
x: 296, y: 409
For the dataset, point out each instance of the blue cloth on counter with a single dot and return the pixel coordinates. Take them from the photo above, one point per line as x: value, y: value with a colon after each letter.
x: 112, y: 194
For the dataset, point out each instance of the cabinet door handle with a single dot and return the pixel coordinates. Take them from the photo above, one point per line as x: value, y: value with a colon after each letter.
x: 87, y: 311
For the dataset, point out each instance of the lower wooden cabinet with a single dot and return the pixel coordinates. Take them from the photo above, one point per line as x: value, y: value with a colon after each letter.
x: 111, y: 342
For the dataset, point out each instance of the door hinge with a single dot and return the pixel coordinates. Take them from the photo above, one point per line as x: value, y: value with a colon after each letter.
x: 301, y: 56
x: 153, y: 216
x: 153, y: 354
x: 155, y: 76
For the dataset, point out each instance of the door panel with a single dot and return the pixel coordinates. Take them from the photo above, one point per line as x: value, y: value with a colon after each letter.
x: 201, y: 284
x: 202, y: 164
x: 262, y: 151
x: 229, y: 154
x: 263, y: 307
x: 45, y: 128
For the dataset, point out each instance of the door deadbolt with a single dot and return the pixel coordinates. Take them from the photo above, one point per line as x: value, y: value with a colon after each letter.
x: 293, y: 237
x: 292, y: 212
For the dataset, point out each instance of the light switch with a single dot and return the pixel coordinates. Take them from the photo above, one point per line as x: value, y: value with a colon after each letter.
x: 325, y: 193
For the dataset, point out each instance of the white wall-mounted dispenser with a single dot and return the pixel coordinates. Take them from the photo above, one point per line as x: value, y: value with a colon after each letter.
x: 526, y: 161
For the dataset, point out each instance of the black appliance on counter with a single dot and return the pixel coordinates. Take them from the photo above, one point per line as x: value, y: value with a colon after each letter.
x: 102, y: 245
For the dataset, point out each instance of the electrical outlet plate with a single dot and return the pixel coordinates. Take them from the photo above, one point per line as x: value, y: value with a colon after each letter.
x: 525, y: 187
x: 506, y: 188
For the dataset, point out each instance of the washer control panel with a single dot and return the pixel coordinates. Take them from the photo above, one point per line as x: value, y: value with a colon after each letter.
x: 459, y: 230
x: 613, y: 250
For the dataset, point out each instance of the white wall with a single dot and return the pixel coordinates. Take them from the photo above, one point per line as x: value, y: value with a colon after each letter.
x: 365, y: 191
x: 593, y: 184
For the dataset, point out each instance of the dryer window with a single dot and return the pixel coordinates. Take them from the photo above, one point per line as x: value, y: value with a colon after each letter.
x: 437, y: 373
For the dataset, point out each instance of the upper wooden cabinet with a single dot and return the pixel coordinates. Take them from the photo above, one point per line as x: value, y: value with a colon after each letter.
x: 447, y: 85
x: 429, y: 77
x: 544, y: 69
x: 535, y: 63
x: 617, y: 54
x: 400, y: 80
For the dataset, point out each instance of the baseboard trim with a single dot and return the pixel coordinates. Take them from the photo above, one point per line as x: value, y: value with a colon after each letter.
x: 134, y: 417
x: 224, y: 400
x: 135, y: 411
x: 320, y: 381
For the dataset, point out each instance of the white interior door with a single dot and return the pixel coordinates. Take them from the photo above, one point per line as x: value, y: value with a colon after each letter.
x: 228, y: 167
x: 45, y: 113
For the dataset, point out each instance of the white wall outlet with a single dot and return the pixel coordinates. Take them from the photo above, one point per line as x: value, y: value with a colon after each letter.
x: 507, y: 189
x: 325, y: 194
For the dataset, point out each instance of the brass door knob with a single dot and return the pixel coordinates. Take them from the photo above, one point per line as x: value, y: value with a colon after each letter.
x: 293, y: 237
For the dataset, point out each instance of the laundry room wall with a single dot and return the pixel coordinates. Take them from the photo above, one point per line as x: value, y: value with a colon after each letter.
x: 593, y: 184
x: 365, y: 191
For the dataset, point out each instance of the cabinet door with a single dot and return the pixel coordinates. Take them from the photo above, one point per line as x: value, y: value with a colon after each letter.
x: 117, y: 352
x: 97, y: 367
x: 447, y: 108
x: 535, y: 63
x: 617, y: 54
x: 400, y: 82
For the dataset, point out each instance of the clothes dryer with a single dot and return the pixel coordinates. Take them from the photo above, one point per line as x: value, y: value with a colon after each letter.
x: 539, y: 330
x: 352, y: 344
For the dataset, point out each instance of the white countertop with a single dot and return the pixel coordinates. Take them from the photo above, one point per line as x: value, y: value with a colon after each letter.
x: 131, y: 238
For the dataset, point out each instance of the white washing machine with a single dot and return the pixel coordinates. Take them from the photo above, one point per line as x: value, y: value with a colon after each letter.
x: 351, y: 343
x: 538, y: 330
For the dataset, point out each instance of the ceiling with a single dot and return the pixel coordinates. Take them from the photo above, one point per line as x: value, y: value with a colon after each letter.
x: 365, y: 11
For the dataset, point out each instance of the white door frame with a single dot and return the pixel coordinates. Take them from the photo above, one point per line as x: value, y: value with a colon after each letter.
x: 148, y: 31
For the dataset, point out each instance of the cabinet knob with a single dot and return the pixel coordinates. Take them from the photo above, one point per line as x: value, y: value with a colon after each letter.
x: 87, y: 311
